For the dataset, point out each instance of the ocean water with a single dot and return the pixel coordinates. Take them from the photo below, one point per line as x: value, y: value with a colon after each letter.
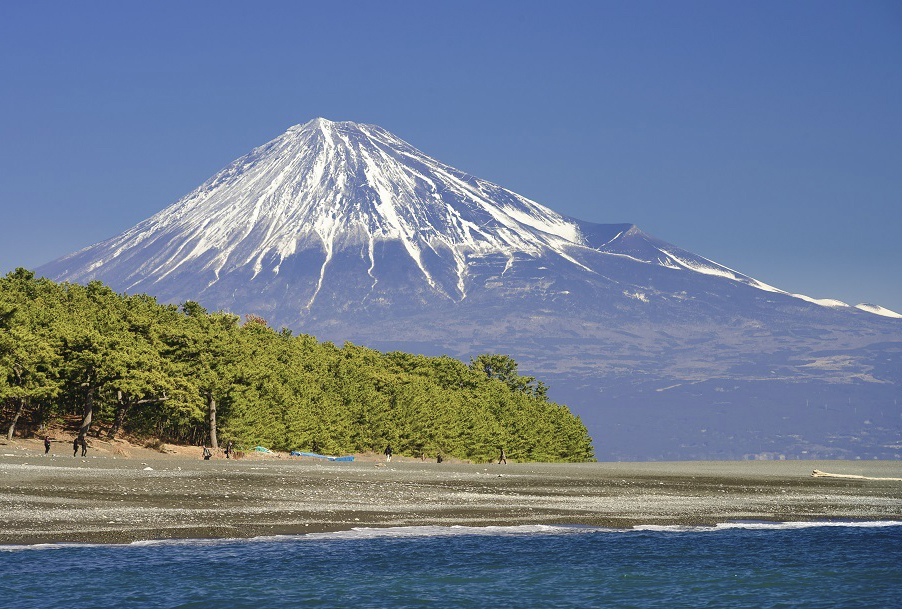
x: 755, y: 565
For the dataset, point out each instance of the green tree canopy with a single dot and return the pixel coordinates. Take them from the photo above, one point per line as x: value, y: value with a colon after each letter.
x: 127, y: 364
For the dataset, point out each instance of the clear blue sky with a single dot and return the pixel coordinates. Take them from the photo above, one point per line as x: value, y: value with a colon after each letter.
x: 766, y: 136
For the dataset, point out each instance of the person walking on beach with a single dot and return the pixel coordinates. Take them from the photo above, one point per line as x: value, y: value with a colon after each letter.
x: 207, y: 454
x: 388, y: 453
x: 228, y: 450
x: 502, y: 458
x: 84, y: 446
x: 75, y: 447
x: 46, y: 444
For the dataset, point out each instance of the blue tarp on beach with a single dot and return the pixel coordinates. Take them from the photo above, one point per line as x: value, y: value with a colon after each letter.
x: 296, y: 453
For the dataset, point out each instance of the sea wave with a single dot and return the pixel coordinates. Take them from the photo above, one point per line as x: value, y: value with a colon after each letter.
x: 50, y: 546
x: 430, y: 531
x: 565, y: 529
x: 766, y: 525
x: 362, y: 533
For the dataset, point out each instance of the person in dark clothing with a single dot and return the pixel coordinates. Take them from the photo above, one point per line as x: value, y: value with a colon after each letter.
x: 84, y: 446
x: 228, y: 450
x: 388, y: 453
x: 207, y: 454
x: 502, y: 458
x: 75, y: 447
x: 46, y: 444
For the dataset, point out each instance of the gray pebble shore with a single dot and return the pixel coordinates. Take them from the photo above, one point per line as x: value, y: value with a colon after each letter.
x: 105, y: 499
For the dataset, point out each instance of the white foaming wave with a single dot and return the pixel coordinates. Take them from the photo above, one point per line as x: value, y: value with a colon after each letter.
x: 769, y: 526
x: 48, y: 546
x: 439, y: 531
x: 132, y: 544
x: 139, y: 543
x: 191, y: 541
x: 429, y: 531
x: 359, y: 533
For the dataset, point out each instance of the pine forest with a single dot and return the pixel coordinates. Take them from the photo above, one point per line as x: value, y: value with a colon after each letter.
x: 123, y: 364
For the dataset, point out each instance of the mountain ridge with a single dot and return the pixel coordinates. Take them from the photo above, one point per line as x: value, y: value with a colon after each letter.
x: 344, y: 231
x: 207, y: 222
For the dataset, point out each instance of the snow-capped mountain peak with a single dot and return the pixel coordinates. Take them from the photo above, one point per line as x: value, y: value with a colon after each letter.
x: 332, y: 185
x: 329, y: 203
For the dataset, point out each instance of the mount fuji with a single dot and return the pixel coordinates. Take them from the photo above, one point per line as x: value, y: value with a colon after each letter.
x: 346, y: 232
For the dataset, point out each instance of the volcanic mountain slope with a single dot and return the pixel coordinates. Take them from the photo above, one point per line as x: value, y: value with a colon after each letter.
x: 344, y: 231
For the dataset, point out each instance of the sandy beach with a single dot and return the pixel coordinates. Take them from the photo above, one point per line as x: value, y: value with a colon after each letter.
x: 121, y: 493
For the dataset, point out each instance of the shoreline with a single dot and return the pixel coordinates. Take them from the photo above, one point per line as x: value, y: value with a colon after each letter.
x: 146, y: 495
x: 425, y: 530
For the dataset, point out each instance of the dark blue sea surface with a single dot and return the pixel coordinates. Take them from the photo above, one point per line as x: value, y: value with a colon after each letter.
x: 740, y: 565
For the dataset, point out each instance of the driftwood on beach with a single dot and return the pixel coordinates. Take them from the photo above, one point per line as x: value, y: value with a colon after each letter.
x: 819, y: 474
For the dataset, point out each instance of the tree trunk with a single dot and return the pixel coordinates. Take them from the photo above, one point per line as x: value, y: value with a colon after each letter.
x: 19, y: 411
x: 122, y: 406
x: 211, y: 404
x: 89, y: 414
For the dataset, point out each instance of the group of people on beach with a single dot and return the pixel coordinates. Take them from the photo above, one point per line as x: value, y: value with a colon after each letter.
x: 228, y: 450
x: 502, y: 458
x: 78, y: 442
x: 81, y: 442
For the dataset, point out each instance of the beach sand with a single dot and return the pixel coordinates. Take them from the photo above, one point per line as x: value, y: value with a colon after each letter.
x: 122, y: 493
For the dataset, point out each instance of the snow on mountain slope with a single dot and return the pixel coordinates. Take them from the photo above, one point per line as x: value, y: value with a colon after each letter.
x: 326, y: 187
x: 878, y: 310
x: 330, y: 185
x: 824, y: 302
x: 633, y: 243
